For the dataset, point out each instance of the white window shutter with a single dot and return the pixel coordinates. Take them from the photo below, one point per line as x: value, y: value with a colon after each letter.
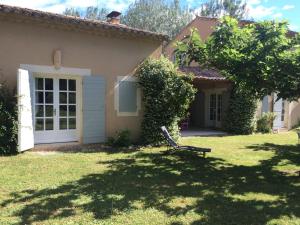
x: 265, y: 104
x: 25, y: 125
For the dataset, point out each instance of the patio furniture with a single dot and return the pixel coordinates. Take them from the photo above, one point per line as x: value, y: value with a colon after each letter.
x: 184, y: 125
x: 175, y: 146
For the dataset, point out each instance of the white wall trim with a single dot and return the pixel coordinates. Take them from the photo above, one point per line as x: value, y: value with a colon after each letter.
x: 116, y: 97
x: 67, y: 73
x: 52, y: 70
x: 127, y: 78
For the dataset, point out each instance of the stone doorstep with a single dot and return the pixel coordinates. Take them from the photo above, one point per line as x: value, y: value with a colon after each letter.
x: 280, y: 130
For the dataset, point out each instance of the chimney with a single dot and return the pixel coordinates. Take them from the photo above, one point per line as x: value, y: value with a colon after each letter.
x: 113, y: 17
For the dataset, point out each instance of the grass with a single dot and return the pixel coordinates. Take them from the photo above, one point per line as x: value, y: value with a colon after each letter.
x: 246, y: 180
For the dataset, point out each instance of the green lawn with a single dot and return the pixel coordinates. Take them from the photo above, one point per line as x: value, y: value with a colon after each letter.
x: 245, y: 180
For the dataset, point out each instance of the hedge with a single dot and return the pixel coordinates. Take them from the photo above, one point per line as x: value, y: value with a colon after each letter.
x: 167, y: 95
x: 8, y: 121
x: 240, y: 117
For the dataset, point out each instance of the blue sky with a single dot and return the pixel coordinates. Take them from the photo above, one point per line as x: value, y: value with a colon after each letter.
x: 257, y: 9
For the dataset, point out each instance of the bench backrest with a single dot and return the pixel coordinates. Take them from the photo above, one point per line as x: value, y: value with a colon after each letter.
x: 168, y: 137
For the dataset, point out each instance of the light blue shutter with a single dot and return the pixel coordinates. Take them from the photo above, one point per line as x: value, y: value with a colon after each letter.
x: 265, y: 104
x: 127, y: 96
x: 278, y: 111
x: 93, y: 109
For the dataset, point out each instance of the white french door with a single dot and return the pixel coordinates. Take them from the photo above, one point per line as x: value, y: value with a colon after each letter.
x: 55, y: 110
x: 215, y: 110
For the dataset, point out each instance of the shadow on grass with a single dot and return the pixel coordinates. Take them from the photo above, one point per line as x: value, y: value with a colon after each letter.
x: 85, y: 148
x: 223, y: 193
x: 282, y: 152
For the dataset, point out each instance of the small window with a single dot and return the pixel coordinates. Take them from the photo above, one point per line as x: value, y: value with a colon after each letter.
x: 127, y: 97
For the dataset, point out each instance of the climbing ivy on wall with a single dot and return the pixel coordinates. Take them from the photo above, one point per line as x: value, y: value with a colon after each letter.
x: 241, y: 112
x: 167, y: 95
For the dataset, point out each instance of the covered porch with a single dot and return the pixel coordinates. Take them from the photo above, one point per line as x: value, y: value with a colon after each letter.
x: 208, y: 110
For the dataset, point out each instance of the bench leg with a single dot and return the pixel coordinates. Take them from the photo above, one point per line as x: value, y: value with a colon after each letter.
x: 204, y: 154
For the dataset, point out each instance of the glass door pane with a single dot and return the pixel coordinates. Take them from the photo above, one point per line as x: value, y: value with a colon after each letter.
x: 212, y: 107
x: 219, y: 114
x: 67, y: 104
x: 44, y: 104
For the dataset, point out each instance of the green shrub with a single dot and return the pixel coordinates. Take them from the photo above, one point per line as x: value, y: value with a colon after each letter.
x: 122, y: 139
x: 241, y: 112
x: 265, y: 123
x: 167, y: 95
x: 297, y: 126
x: 8, y: 121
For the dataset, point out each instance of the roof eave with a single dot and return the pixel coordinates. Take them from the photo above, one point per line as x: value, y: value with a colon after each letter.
x: 75, y: 23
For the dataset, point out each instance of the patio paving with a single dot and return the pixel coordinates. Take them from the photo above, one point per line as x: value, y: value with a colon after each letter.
x: 202, y: 133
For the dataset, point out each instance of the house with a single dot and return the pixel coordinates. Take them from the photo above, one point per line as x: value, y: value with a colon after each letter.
x: 73, y: 76
x: 211, y: 102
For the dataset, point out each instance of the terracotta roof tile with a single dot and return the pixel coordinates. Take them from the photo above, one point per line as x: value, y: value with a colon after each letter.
x: 75, y: 22
x: 204, y: 74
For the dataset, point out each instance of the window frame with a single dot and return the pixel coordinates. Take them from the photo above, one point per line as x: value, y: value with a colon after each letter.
x: 213, y: 107
x: 117, y: 99
x: 219, y: 107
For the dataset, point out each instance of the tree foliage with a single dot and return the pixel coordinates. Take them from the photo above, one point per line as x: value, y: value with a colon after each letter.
x: 8, y: 121
x: 261, y: 58
x: 162, y: 16
x: 241, y: 111
x: 92, y: 13
x: 265, y: 123
x: 167, y: 95
x: 191, y: 49
x: 72, y: 12
x: 219, y: 8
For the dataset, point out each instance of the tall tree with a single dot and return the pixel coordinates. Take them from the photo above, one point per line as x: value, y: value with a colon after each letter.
x: 162, y: 16
x: 219, y: 8
x: 93, y: 13
x: 158, y: 16
x: 72, y: 12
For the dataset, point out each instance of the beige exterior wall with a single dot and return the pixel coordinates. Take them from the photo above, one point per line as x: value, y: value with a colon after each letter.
x: 259, y: 109
x: 286, y: 113
x: 291, y: 112
x: 205, y: 27
x: 24, y: 43
x: 294, y: 114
